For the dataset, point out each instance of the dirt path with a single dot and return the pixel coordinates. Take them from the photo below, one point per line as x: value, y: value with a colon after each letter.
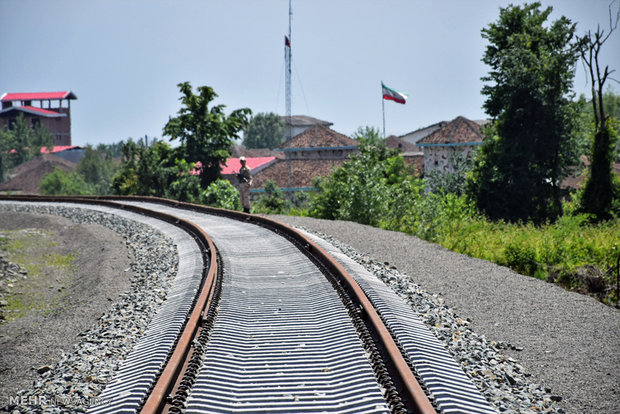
x: 75, y: 272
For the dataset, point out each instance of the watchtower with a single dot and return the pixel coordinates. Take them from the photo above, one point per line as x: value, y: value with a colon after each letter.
x: 50, y: 109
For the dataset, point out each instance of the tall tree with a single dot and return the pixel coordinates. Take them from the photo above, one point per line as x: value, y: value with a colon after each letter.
x: 528, y: 149
x: 265, y: 130
x: 206, y: 134
x: 599, y: 192
x: 369, y: 134
x: 97, y: 168
x: 156, y: 170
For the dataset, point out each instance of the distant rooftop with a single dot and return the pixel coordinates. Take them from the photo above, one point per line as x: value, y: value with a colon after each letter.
x: 37, y: 96
x: 304, y: 120
x: 459, y: 131
x: 318, y: 137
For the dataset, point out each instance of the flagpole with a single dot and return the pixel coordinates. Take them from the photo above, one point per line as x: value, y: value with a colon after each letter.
x: 383, y: 108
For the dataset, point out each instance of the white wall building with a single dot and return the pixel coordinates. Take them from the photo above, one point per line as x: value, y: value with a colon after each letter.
x: 460, y: 136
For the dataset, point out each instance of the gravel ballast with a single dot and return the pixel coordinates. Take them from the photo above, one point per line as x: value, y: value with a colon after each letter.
x: 77, y: 377
x: 567, y: 342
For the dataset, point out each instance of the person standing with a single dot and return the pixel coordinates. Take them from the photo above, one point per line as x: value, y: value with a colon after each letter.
x: 245, y: 181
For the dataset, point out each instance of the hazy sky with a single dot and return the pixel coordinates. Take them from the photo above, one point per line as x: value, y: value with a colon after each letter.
x: 124, y: 58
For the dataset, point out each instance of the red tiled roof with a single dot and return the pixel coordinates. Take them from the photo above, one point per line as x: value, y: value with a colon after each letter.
x: 458, y: 131
x: 37, y: 96
x: 295, y: 173
x: 232, y: 165
x: 58, y: 148
x: 40, y: 110
x: 318, y: 136
x: 34, y: 110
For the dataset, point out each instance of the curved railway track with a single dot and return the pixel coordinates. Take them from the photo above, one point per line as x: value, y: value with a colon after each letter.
x: 265, y: 318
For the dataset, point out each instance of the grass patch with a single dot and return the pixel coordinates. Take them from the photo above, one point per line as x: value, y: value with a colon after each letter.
x: 571, y: 251
x: 49, y: 273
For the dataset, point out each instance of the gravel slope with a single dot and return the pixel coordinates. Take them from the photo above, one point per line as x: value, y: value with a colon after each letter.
x: 98, y: 278
x: 570, y: 343
x: 131, y: 263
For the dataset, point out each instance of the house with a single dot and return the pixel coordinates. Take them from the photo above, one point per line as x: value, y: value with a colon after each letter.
x: 313, y: 153
x: 296, y: 124
x: 49, y: 109
x: 460, y: 136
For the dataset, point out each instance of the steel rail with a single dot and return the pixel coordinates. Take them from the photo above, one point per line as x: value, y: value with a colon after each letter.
x: 176, y: 364
x: 411, y: 393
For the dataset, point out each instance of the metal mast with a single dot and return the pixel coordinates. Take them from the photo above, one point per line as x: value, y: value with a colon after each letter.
x: 287, y: 60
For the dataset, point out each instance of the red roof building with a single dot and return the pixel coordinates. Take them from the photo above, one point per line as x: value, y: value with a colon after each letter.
x: 313, y: 153
x: 231, y: 167
x: 49, y: 109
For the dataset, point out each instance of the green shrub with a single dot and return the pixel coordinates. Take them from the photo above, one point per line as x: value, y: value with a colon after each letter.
x: 273, y: 201
x: 59, y: 182
x: 222, y: 194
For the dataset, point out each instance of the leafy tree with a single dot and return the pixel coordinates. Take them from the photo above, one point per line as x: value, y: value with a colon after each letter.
x: 265, y: 130
x: 273, y: 201
x: 206, y: 134
x: 361, y: 189
x: 600, y: 191
x: 115, y: 150
x: 222, y: 194
x: 530, y: 145
x: 59, y: 182
x: 21, y: 143
x: 370, y: 134
x: 97, y: 168
x: 7, y: 144
x: 156, y: 171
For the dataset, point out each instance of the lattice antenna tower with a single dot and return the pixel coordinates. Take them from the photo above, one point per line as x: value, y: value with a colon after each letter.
x: 287, y: 61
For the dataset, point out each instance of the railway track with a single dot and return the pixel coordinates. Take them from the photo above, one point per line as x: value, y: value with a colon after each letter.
x: 265, y: 318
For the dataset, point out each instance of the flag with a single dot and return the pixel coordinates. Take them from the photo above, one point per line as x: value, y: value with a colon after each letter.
x: 392, y: 95
x: 287, y: 41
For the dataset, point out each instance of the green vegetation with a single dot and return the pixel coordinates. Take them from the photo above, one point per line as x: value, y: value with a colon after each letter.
x: 206, y: 134
x: 530, y: 145
x: 222, y: 194
x: 265, y: 130
x: 92, y: 176
x: 49, y: 273
x: 191, y: 171
x: 21, y: 143
x: 273, y: 201
x: 58, y: 182
x: 556, y: 252
x: 156, y: 170
x: 369, y: 134
x: 375, y: 188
